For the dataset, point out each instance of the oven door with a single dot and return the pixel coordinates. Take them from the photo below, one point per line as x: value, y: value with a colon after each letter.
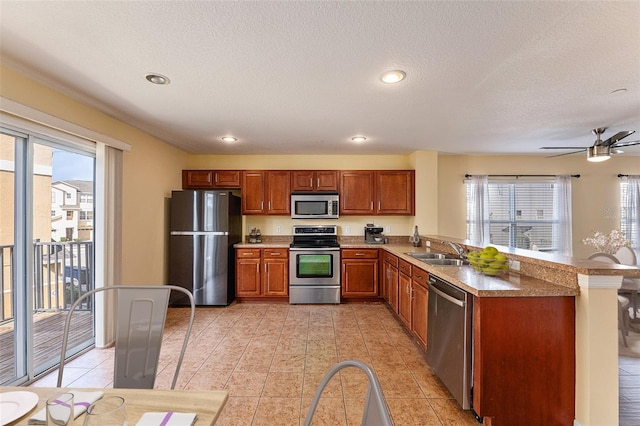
x: 314, y: 266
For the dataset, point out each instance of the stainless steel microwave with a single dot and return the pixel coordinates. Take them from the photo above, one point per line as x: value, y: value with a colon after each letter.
x: 310, y: 205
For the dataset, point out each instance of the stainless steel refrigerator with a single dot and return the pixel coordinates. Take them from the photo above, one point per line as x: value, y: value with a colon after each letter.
x: 204, y: 226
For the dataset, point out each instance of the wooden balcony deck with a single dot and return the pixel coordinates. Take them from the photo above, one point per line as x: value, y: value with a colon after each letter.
x: 47, y: 338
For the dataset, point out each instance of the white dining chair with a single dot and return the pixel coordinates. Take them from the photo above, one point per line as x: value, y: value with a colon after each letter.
x: 140, y: 315
x: 631, y: 286
x: 375, y: 412
x: 623, y: 302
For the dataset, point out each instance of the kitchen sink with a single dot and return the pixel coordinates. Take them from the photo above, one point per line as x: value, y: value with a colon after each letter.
x: 445, y: 262
x: 425, y: 255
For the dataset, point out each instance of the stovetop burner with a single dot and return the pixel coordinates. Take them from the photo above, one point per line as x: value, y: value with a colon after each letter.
x: 315, y: 236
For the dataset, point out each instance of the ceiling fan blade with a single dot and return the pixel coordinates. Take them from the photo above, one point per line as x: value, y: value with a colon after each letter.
x: 564, y: 147
x: 623, y: 144
x: 566, y: 153
x: 617, y: 137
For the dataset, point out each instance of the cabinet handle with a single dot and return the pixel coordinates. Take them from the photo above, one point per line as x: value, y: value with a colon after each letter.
x: 311, y: 182
x: 269, y: 205
x: 216, y: 177
x: 378, y: 205
x: 318, y: 185
x: 274, y: 254
x: 261, y: 205
x: 419, y: 276
x: 247, y: 254
x: 371, y: 205
x: 360, y: 254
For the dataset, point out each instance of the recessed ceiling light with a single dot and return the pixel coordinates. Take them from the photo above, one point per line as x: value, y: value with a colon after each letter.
x: 157, y: 79
x: 394, y: 76
x: 358, y: 139
x: 229, y: 139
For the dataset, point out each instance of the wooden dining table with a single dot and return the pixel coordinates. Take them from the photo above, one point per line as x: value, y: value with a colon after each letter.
x: 207, y: 404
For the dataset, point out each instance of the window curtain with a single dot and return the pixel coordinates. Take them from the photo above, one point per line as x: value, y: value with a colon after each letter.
x: 633, y: 212
x: 562, y: 214
x: 479, y: 210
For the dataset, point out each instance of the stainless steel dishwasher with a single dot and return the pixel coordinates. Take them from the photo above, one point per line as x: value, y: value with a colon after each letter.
x: 449, y: 328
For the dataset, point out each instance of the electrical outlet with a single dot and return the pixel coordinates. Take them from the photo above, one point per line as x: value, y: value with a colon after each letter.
x: 387, y: 229
x: 278, y: 229
x: 515, y: 265
x: 428, y: 243
x: 347, y: 229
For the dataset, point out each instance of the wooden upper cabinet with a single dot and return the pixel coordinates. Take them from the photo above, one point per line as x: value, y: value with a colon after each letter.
x: 266, y: 192
x: 210, y: 179
x: 396, y: 192
x: 384, y: 192
x: 314, y: 180
x: 357, y: 192
x: 253, y: 187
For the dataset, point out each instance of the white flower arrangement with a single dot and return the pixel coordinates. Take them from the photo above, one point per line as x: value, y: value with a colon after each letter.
x: 610, y: 243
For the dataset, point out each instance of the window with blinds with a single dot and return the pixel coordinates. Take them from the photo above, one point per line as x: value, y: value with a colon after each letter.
x: 520, y: 214
x: 623, y: 213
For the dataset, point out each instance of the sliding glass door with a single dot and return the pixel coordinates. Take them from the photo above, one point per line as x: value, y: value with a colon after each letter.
x: 47, y: 241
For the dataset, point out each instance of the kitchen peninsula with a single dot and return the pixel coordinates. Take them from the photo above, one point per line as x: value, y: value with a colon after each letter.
x: 523, y: 322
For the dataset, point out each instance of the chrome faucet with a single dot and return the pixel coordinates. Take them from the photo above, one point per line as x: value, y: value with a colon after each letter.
x: 457, y: 247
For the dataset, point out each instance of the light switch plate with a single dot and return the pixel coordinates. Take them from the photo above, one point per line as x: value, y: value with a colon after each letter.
x: 278, y: 229
x: 347, y: 229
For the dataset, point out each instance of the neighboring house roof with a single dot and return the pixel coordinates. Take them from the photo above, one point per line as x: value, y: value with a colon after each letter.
x: 84, y: 186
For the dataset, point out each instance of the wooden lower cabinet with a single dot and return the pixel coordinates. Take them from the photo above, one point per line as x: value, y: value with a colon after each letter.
x: 262, y: 272
x: 419, y: 304
x: 524, y: 360
x: 360, y: 273
x: 404, y: 299
x: 390, y: 280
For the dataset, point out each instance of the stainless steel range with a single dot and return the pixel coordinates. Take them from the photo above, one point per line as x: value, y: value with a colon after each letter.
x: 314, y: 264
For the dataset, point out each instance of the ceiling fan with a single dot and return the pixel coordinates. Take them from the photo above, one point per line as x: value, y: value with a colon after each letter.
x: 601, y: 149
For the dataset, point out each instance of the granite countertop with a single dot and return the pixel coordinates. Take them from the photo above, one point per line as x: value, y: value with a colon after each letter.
x: 509, y: 284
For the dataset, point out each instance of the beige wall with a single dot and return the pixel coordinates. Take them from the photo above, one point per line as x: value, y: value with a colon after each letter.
x: 151, y: 170
x: 596, y: 200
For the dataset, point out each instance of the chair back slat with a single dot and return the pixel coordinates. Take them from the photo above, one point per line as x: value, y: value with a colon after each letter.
x: 141, y: 318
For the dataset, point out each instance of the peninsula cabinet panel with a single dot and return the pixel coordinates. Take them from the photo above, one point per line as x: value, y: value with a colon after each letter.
x: 314, y: 180
x: 396, y: 192
x: 524, y: 360
x: 210, y: 179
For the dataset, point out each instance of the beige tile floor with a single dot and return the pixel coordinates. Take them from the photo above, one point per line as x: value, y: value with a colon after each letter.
x: 271, y: 357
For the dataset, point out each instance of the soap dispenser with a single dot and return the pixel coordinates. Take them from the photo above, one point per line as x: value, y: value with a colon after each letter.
x: 415, y: 238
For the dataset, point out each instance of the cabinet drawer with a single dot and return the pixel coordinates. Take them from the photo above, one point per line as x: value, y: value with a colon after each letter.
x: 275, y: 253
x: 404, y: 267
x: 248, y: 254
x: 390, y: 258
x: 420, y: 276
x: 359, y: 254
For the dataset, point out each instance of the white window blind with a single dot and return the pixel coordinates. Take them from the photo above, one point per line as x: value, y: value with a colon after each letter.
x: 520, y: 214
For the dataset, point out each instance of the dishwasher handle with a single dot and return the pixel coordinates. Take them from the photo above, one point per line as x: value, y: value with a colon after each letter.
x: 451, y: 299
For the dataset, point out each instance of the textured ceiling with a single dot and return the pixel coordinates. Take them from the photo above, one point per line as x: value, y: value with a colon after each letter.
x: 303, y: 77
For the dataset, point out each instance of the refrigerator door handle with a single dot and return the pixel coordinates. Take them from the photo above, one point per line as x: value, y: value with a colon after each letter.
x: 190, y: 233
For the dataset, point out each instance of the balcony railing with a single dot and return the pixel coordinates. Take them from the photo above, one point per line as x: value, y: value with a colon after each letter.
x: 62, y: 273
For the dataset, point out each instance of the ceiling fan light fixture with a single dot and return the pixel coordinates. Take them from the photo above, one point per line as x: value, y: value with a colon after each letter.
x: 358, y: 139
x: 598, y: 153
x: 229, y: 139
